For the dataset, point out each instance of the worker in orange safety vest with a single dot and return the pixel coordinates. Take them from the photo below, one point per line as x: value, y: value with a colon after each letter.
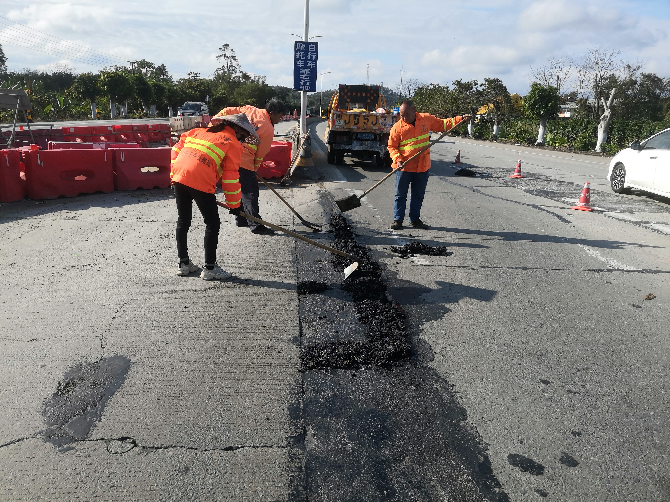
x: 199, y: 159
x: 263, y: 122
x: 407, y: 137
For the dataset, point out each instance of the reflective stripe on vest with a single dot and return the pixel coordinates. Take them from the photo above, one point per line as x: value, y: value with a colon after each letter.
x: 209, y: 149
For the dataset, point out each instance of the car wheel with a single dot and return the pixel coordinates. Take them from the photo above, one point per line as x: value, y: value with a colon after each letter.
x: 618, y: 179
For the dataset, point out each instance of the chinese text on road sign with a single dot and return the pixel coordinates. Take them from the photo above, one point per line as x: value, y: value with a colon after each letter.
x: 305, y: 55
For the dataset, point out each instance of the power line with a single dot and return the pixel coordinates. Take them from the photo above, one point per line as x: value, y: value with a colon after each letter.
x: 14, y: 33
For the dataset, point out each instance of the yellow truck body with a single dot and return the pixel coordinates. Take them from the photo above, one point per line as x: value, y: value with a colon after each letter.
x: 358, y: 124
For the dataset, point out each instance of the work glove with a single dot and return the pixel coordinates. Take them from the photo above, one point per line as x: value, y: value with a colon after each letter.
x: 235, y: 211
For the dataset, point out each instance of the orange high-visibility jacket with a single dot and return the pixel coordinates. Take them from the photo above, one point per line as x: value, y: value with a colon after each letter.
x: 407, y: 139
x: 200, y: 158
x: 252, y: 155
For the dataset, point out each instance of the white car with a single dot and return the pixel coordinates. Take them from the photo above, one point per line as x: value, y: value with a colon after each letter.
x: 644, y: 166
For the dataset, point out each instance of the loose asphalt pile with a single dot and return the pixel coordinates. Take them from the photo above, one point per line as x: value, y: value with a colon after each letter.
x: 415, y: 247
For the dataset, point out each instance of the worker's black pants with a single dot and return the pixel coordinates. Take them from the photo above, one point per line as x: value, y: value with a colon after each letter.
x: 206, y: 202
x: 250, y: 193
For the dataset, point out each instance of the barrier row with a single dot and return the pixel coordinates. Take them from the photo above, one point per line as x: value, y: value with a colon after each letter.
x: 70, y: 169
x: 49, y: 174
x: 122, y: 133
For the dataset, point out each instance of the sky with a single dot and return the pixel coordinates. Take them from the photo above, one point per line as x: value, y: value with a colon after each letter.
x: 375, y: 41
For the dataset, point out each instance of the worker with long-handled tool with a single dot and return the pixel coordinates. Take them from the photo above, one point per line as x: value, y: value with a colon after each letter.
x: 199, y: 159
x: 263, y: 121
x: 407, y: 137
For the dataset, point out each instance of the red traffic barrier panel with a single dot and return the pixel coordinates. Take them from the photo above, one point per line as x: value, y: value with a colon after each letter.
x: 80, y: 134
x: 103, y: 133
x: 109, y: 146
x: 140, y: 132
x: 12, y: 176
x: 159, y: 133
x: 54, y: 173
x: 141, y: 168
x: 66, y: 145
x: 124, y: 133
x: 277, y: 161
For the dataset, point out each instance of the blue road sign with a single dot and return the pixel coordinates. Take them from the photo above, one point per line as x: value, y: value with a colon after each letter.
x: 305, y: 56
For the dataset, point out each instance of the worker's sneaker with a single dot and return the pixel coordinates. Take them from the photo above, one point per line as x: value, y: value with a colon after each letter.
x: 396, y: 225
x: 187, y: 268
x: 419, y: 224
x: 216, y: 274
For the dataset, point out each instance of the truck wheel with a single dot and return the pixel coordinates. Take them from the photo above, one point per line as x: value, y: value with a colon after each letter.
x: 339, y: 158
x: 331, y: 155
x: 379, y: 160
x: 387, y: 160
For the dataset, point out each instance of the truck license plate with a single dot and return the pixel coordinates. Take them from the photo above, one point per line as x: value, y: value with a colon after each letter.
x: 366, y: 135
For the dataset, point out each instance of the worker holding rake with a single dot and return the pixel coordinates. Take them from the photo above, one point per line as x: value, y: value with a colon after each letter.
x: 407, y: 137
x: 199, y: 159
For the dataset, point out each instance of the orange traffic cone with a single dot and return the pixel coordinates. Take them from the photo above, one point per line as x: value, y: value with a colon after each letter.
x: 584, y: 203
x: 458, y: 157
x: 517, y: 171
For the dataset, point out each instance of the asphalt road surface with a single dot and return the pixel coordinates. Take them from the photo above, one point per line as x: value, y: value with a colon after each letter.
x: 526, y: 360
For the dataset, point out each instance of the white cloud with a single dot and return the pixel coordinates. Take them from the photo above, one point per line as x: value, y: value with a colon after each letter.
x: 432, y: 40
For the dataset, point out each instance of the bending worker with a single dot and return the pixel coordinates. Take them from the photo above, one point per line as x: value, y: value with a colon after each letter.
x: 408, y: 136
x: 263, y: 122
x: 199, y: 159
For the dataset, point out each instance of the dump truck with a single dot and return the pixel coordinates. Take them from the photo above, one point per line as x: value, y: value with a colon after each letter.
x: 359, y: 124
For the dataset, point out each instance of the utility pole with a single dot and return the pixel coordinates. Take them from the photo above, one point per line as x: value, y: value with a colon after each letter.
x: 303, y: 94
x: 367, y: 79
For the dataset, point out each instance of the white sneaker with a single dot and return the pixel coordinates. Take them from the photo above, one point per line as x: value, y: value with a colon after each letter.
x: 217, y: 274
x: 187, y: 268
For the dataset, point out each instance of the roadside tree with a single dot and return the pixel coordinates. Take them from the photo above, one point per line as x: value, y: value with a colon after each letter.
x: 87, y: 87
x: 541, y: 103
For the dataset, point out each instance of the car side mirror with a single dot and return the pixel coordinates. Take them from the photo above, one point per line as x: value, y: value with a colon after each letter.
x: 635, y: 145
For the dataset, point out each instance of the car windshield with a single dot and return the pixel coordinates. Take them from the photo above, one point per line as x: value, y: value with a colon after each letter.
x: 662, y: 141
x: 191, y: 106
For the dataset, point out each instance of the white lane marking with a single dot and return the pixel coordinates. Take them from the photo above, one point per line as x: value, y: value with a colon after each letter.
x: 621, y: 216
x: 660, y: 227
x: 340, y: 177
x: 609, y: 262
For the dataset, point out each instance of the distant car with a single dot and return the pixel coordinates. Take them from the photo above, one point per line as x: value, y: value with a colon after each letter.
x: 193, y: 108
x: 644, y: 166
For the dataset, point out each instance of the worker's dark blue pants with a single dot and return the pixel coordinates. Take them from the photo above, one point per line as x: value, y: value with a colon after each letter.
x: 250, y: 193
x: 418, y: 182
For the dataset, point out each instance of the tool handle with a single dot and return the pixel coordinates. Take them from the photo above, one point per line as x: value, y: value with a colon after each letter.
x: 417, y: 153
x: 310, y: 225
x: 293, y: 234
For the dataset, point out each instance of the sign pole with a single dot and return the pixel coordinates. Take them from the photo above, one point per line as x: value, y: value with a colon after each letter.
x: 303, y: 94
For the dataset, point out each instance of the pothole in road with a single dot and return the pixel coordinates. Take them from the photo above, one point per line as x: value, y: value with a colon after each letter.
x: 80, y: 398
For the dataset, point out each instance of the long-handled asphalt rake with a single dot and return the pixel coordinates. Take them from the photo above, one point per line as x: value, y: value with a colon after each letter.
x: 347, y: 271
x: 313, y: 226
x: 354, y: 201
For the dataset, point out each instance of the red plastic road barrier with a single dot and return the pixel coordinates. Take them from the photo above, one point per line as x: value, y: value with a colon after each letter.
x: 103, y: 133
x: 124, y: 133
x: 54, y: 173
x: 141, y: 168
x: 12, y: 176
x: 159, y: 133
x: 277, y: 161
x: 140, y: 132
x: 66, y: 145
x: 110, y: 146
x: 80, y: 134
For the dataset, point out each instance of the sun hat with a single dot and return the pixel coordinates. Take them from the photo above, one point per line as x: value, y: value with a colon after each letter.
x: 240, y: 121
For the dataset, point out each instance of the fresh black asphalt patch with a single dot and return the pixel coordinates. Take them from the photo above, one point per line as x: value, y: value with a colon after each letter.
x: 374, y: 422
